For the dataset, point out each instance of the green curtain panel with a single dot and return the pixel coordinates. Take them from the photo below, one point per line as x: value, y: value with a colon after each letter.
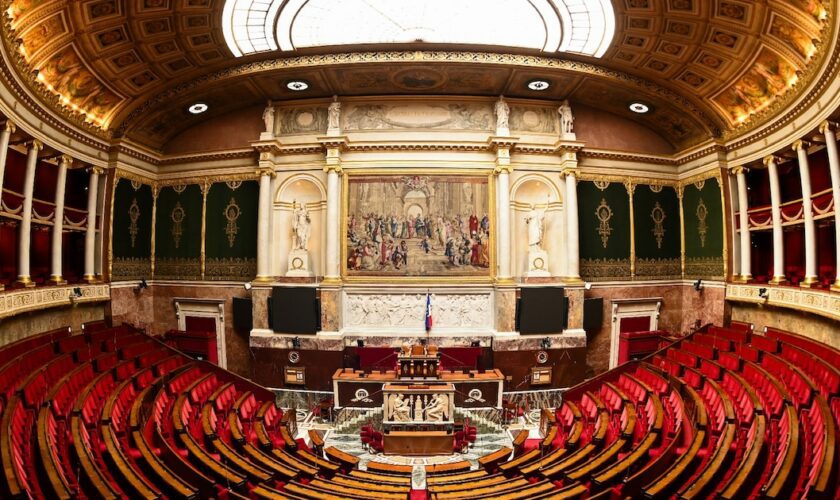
x: 656, y: 219
x: 178, y: 233
x: 132, y: 231
x: 231, y: 246
x: 703, y: 229
x: 604, y: 215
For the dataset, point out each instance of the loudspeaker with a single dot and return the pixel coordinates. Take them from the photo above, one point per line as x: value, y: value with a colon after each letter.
x: 542, y: 310
x: 295, y: 310
x: 243, y: 314
x: 593, y: 313
x: 518, y: 315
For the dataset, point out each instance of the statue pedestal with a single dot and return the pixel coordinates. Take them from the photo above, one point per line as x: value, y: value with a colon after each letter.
x: 537, y: 263
x: 568, y: 136
x: 299, y: 264
x: 266, y: 136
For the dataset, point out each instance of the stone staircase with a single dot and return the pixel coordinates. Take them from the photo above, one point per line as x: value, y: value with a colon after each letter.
x: 486, y: 421
x: 350, y: 420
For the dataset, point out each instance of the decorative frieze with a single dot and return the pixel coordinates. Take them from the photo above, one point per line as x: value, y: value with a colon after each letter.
x: 14, y: 302
x: 820, y: 302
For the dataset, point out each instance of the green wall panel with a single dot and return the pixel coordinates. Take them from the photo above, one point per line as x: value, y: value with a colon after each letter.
x: 132, y: 231
x: 703, y: 229
x: 604, y: 219
x: 178, y: 232
x: 231, y: 232
x: 656, y: 212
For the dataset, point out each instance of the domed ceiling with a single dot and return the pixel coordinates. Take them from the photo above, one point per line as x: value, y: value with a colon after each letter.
x: 707, y: 69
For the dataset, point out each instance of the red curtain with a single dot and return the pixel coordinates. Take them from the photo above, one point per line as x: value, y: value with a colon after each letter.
x: 761, y: 255
x: 8, y: 252
x: 39, y: 254
x: 795, y: 254
x: 820, y: 173
x: 73, y: 256
x: 46, y: 176
x: 635, y: 324
x: 826, y: 254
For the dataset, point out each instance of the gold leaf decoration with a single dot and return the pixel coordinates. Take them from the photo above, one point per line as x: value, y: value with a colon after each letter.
x: 133, y: 216
x: 658, y: 216
x: 177, y: 215
x: 604, y: 213
x: 702, y: 228
x: 232, y: 213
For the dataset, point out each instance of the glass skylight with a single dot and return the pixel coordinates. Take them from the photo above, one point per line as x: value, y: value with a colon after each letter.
x: 579, y: 26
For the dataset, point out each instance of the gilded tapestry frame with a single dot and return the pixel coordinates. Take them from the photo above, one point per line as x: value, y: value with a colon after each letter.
x: 488, y: 278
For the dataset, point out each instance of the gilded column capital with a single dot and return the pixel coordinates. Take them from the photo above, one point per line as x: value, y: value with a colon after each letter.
x: 827, y: 126
x: 680, y: 189
x: 738, y: 170
x: 770, y: 159
x: 570, y: 171
x: 332, y: 167
x: 95, y: 170
x: 265, y: 171
x: 10, y: 126
x: 508, y: 169
x: 35, y: 144
x: 67, y: 160
x: 800, y: 144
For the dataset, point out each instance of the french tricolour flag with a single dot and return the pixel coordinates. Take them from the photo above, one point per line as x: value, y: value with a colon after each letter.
x: 428, y: 312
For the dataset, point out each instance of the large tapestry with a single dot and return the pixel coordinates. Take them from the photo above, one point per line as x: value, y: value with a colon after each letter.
x: 656, y: 221
x: 412, y: 225
x: 703, y: 229
x: 132, y: 231
x: 231, y: 234
x: 604, y: 214
x: 178, y: 233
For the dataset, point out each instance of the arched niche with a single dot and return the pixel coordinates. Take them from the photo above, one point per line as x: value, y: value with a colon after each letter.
x: 303, y: 189
x: 540, y: 192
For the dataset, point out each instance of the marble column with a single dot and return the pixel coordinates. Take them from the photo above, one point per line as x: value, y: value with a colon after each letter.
x: 263, y: 218
x: 90, y: 233
x: 5, y: 134
x: 834, y: 165
x: 561, y: 187
x: 58, y: 220
x: 572, y: 230
x: 333, y: 234
x: 503, y: 200
x: 801, y: 148
x: 24, y: 278
x: 776, y: 213
x: 744, y: 218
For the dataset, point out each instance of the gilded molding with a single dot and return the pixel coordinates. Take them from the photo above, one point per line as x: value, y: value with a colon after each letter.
x: 819, y: 302
x: 13, y: 302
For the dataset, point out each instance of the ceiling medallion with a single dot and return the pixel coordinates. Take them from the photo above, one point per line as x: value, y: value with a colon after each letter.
x: 538, y: 85
x: 297, y: 85
x: 638, y: 107
x: 198, y: 108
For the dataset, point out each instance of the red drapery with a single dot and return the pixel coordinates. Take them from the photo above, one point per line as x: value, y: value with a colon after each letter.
x: 8, y: 252
x: 795, y: 254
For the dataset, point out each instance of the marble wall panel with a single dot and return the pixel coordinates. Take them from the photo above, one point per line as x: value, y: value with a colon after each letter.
x: 810, y: 325
x: 26, y: 324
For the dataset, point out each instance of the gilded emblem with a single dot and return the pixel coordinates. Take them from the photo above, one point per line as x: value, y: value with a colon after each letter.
x: 177, y: 215
x: 602, y: 185
x: 136, y: 185
x: 700, y: 184
x: 232, y: 213
x: 133, y: 216
x: 702, y: 228
x: 179, y: 188
x: 604, y: 214
x: 656, y: 188
x: 233, y: 185
x: 658, y: 216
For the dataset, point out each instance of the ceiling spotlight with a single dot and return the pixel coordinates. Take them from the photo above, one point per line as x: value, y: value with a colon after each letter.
x: 297, y: 85
x: 538, y: 85
x: 198, y: 108
x: 638, y: 107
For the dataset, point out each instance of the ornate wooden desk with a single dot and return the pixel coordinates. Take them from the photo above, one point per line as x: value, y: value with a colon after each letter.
x: 418, y: 419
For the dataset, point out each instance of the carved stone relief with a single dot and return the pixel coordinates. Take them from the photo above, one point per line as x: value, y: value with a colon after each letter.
x: 419, y: 116
x: 534, y: 119
x: 395, y: 312
x: 291, y: 121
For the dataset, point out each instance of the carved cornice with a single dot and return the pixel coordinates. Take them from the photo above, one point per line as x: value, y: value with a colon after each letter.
x: 200, y: 158
x: 600, y: 155
x: 702, y: 176
x: 15, y: 302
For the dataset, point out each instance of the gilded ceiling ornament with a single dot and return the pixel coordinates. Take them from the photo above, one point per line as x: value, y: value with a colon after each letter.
x: 604, y: 214
x: 602, y: 185
x: 179, y: 188
x: 136, y: 185
x: 699, y: 184
x: 656, y: 188
x: 233, y: 185
x: 658, y: 216
x: 133, y: 216
x: 232, y: 213
x: 177, y: 215
x: 702, y: 228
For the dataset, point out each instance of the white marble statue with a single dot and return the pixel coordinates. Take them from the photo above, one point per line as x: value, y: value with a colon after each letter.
x: 268, y: 118
x: 567, y: 119
x: 301, y: 226
x: 334, y: 117
x: 438, y: 408
x: 502, y: 115
x: 400, y: 409
x: 535, y: 220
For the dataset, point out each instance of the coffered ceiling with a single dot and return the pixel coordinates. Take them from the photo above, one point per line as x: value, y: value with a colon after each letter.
x: 708, y: 69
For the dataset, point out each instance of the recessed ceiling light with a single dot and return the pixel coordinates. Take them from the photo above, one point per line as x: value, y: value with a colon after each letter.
x: 198, y: 108
x: 297, y: 85
x: 538, y: 85
x: 639, y: 107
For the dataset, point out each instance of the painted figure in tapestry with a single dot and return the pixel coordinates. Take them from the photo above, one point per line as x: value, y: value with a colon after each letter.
x: 418, y: 226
